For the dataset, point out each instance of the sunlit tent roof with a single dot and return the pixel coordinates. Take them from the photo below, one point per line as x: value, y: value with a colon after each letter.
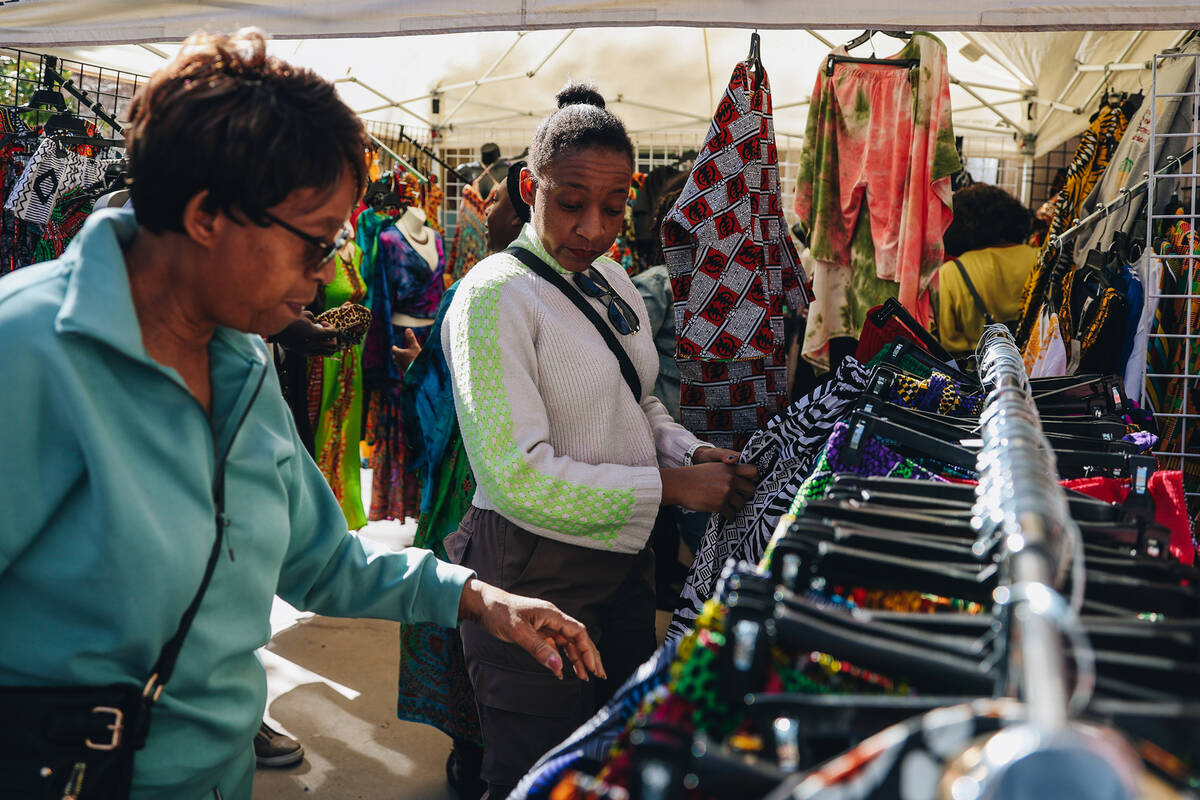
x: 1031, y: 74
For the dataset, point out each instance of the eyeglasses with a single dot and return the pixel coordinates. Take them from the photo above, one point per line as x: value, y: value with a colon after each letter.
x: 328, y: 249
x: 620, y: 313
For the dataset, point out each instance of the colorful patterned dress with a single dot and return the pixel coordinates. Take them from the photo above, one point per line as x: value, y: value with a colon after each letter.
x: 434, y: 687
x: 336, y: 386
x: 398, y: 280
x: 470, y: 235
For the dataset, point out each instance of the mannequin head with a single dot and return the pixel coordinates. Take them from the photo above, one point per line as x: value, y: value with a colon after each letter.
x: 577, y: 180
x: 489, y: 153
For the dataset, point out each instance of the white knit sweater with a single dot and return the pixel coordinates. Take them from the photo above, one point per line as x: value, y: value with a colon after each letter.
x: 556, y: 440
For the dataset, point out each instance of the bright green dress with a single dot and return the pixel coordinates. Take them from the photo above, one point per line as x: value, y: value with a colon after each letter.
x: 338, y: 378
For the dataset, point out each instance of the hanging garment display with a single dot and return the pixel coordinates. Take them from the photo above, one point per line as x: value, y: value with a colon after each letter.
x: 874, y: 188
x: 871, y: 604
x: 784, y: 452
x: 336, y: 397
x: 52, y: 171
x: 399, y: 281
x: 733, y: 270
x: 1091, y: 159
x: 470, y: 235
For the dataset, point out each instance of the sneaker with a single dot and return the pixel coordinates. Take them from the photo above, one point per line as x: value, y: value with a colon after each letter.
x: 273, y: 749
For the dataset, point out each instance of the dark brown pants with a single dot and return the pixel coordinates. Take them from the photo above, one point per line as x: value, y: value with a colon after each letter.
x: 523, y: 709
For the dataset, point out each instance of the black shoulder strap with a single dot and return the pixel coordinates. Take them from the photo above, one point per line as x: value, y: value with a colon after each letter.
x: 165, y: 665
x: 543, y: 269
x: 987, y: 317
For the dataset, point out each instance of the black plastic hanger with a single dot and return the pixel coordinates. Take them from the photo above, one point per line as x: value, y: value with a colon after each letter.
x: 905, y: 63
x: 754, y: 66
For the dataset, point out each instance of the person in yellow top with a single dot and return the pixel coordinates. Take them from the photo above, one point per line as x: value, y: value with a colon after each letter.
x: 989, y: 262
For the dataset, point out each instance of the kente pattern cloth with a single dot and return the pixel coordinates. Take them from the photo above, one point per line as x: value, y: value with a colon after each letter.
x: 938, y: 393
x: 592, y: 741
x: 875, y: 459
x: 732, y: 262
x: 874, y: 186
x: 337, y: 380
x: 725, y: 402
x: 49, y: 174
x: 470, y: 235
x: 70, y: 212
x: 784, y: 452
x: 1096, y: 147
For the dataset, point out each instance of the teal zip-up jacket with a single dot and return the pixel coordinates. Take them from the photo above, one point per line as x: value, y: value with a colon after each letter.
x: 107, y: 518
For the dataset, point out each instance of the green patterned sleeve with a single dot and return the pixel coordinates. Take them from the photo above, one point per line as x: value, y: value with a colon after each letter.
x: 505, y: 427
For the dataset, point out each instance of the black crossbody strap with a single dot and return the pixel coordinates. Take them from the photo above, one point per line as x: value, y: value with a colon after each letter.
x: 544, y: 270
x: 987, y: 317
x: 165, y: 665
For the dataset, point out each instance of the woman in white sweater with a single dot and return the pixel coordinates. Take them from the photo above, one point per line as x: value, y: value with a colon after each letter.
x: 571, y: 466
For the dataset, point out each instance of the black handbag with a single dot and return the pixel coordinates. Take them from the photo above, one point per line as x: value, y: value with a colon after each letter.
x: 79, y: 742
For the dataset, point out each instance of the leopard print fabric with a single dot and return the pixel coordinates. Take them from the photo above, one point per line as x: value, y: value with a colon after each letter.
x: 350, y: 320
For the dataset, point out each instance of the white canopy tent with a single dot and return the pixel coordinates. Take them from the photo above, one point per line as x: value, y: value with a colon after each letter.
x: 465, y: 69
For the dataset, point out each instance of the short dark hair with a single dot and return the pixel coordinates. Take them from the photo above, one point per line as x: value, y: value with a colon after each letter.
x: 985, y: 216
x: 581, y: 122
x: 225, y: 117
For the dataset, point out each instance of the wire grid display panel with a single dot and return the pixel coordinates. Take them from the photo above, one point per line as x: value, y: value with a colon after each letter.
x: 1047, y: 167
x: 1171, y: 388
x: 21, y: 74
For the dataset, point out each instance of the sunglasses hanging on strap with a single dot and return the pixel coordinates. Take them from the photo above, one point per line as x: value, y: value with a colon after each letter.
x: 619, y: 312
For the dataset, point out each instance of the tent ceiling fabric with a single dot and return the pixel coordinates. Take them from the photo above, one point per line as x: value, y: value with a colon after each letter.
x: 48, y: 23
x: 658, y: 78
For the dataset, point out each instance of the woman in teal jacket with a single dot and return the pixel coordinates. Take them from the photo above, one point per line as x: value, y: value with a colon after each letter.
x: 135, y: 374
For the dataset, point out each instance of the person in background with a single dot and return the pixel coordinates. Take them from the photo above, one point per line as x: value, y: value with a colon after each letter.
x: 989, y: 265
x: 434, y: 687
x: 571, y: 462
x: 148, y: 448
x: 654, y: 285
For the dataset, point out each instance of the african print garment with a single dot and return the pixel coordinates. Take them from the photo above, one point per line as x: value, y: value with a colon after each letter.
x: 50, y: 173
x: 399, y: 280
x: 874, y: 188
x: 336, y: 385
x: 470, y: 237
x: 1091, y: 159
x: 784, y: 452
x: 733, y: 270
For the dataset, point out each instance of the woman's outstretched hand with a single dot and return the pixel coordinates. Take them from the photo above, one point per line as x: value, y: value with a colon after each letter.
x: 535, y: 625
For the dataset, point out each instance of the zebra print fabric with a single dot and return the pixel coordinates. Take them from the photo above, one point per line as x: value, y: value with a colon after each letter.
x: 784, y: 452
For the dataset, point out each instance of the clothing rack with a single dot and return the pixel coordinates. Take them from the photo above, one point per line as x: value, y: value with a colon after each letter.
x: 420, y: 176
x: 1127, y: 194
x: 433, y: 156
x: 1021, y: 504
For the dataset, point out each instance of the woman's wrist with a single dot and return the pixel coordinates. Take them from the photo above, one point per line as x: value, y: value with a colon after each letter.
x: 689, y: 457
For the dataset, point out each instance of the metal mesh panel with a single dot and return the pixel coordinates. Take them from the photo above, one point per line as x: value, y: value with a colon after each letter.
x: 1171, y: 388
x: 22, y: 72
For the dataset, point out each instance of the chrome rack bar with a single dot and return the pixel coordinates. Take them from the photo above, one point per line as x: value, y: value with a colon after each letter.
x: 1020, y: 503
x: 1127, y: 194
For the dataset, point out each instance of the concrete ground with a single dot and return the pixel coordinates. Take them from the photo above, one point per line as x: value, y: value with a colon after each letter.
x: 331, y: 684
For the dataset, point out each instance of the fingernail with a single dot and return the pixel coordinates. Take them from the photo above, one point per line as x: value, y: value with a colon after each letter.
x: 554, y: 662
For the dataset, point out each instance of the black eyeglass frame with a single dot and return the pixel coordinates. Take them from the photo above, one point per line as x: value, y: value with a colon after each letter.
x: 620, y: 313
x: 323, y: 246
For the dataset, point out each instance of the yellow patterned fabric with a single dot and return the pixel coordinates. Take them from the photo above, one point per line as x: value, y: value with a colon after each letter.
x: 1095, y: 150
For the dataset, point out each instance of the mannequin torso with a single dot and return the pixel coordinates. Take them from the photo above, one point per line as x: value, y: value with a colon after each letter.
x: 411, y: 225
